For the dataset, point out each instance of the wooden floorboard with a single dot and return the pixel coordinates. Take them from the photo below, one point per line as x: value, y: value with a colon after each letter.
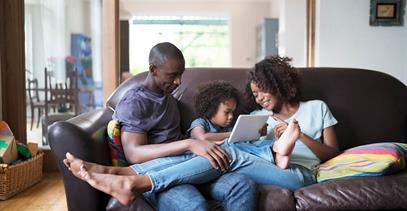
x: 48, y: 194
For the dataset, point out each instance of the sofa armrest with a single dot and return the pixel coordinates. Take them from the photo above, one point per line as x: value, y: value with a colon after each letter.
x: 77, y: 136
x: 371, y: 193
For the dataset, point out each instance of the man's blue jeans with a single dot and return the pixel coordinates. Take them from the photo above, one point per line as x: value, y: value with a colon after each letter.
x: 235, y: 191
x: 191, y: 169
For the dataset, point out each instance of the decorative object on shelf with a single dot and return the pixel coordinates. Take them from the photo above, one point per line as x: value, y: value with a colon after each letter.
x: 70, y: 62
x: 386, y: 12
x: 87, y: 66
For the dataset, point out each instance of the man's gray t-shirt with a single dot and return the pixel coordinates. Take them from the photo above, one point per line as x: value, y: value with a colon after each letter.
x: 144, y: 111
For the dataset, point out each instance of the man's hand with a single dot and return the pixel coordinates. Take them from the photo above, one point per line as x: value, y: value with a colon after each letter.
x: 211, y: 151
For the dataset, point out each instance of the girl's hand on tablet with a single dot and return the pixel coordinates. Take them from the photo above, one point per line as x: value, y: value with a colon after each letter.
x: 263, y: 130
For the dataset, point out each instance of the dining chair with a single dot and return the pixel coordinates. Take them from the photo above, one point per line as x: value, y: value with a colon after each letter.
x: 63, y: 96
x: 35, y: 102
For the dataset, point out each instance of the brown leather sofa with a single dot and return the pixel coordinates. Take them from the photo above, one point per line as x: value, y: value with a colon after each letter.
x: 370, y: 107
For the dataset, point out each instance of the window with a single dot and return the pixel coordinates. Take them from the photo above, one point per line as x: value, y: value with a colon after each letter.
x: 64, y: 37
x: 203, y: 41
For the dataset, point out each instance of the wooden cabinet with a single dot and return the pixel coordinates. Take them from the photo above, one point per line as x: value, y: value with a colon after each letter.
x: 267, y: 38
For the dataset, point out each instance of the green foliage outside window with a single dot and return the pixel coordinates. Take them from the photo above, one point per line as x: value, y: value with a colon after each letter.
x: 203, y: 45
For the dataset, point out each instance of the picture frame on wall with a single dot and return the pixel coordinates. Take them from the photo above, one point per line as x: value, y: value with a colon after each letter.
x: 386, y: 12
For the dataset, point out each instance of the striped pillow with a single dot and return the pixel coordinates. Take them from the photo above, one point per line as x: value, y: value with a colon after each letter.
x: 367, y: 160
x: 115, y: 144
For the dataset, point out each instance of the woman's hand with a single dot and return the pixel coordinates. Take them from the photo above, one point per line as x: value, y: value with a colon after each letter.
x: 279, y: 129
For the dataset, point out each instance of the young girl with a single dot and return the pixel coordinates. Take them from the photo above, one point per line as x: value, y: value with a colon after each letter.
x: 216, y: 103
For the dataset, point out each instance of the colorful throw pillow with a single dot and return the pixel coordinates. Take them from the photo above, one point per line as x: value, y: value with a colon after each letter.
x: 367, y: 160
x: 115, y: 144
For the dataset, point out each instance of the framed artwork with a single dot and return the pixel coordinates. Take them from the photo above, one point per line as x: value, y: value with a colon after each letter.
x: 386, y: 12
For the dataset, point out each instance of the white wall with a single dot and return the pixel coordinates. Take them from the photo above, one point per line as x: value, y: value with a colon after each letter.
x: 345, y: 39
x: 85, y: 17
x: 275, y: 8
x: 243, y: 18
x: 292, y: 31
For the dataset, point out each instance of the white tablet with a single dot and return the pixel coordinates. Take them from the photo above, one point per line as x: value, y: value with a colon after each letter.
x: 247, y: 127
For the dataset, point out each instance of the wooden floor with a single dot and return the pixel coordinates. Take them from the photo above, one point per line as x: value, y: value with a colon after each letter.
x: 48, y: 194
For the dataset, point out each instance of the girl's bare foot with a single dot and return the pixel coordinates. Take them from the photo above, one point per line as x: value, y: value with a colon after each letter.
x: 124, y: 188
x: 285, y: 144
x: 282, y: 161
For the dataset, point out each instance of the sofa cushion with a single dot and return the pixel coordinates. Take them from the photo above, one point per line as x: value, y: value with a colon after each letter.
x: 115, y: 144
x: 138, y: 205
x: 272, y: 197
x: 367, y: 160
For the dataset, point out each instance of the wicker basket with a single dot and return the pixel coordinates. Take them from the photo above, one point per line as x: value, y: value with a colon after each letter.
x: 16, y: 178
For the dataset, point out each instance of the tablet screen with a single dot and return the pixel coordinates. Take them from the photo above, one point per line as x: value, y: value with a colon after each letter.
x: 247, y: 127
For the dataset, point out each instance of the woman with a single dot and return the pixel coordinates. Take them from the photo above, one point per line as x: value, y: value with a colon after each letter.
x: 274, y: 88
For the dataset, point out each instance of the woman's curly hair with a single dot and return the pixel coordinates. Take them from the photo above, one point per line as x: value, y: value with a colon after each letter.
x: 274, y: 74
x: 211, y: 95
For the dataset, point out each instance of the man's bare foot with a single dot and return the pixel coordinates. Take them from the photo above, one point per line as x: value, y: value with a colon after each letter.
x: 74, y: 164
x: 124, y: 188
x: 285, y: 144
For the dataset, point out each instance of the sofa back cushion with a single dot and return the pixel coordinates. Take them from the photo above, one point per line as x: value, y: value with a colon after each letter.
x: 370, y: 106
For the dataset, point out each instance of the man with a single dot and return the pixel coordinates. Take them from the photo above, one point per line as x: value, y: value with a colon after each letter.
x: 151, y: 134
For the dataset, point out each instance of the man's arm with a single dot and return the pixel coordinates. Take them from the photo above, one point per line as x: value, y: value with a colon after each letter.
x: 137, y: 149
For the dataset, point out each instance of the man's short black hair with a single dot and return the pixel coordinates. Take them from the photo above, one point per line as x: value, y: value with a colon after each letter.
x: 211, y: 95
x: 161, y: 52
